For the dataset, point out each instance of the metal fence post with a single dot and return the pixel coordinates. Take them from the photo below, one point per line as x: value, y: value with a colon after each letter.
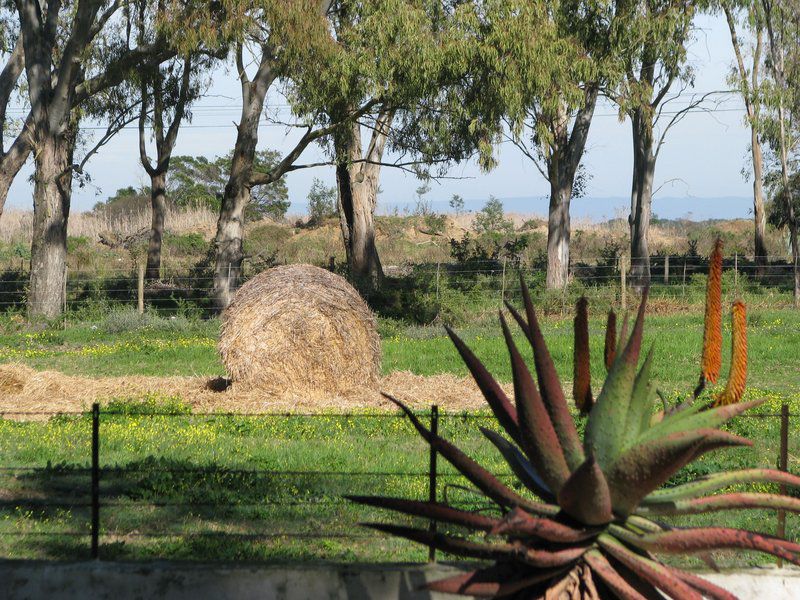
x: 783, y: 465
x: 432, y: 476
x: 503, y: 285
x: 95, y: 481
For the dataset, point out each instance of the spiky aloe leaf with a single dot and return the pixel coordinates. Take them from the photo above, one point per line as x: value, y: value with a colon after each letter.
x: 519, y: 523
x: 449, y: 543
x: 611, y: 577
x: 695, y: 417
x: 430, y: 510
x: 644, y: 467
x: 582, y: 377
x: 705, y: 587
x: 717, y: 481
x: 654, y: 573
x: 550, y: 384
x: 736, y: 501
x: 501, y: 406
x: 539, y: 439
x: 585, y: 496
x: 605, y: 428
x: 480, y: 477
x: 520, y: 465
x: 496, y: 581
x: 641, y: 406
x: 705, y: 539
x: 610, y: 347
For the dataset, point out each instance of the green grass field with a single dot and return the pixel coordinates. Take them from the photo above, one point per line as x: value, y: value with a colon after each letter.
x: 210, y: 487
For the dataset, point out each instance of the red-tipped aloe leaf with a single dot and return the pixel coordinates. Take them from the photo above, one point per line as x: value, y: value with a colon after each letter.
x: 705, y: 587
x: 609, y: 575
x: 646, y: 466
x: 705, y: 539
x: 501, y: 406
x: 736, y: 501
x: 605, y: 429
x: 610, y: 347
x: 550, y: 385
x: 493, y: 582
x: 520, y: 465
x: 430, y: 510
x: 582, y: 377
x: 585, y: 495
x: 654, y: 573
x: 717, y: 481
x: 539, y: 439
x: 485, y: 481
x: 519, y: 523
x: 447, y: 543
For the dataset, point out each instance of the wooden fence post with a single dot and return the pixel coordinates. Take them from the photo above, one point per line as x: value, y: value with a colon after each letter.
x: 666, y: 270
x: 140, y: 289
x: 623, y: 285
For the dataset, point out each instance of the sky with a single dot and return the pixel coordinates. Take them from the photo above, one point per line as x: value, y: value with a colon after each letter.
x: 698, y: 175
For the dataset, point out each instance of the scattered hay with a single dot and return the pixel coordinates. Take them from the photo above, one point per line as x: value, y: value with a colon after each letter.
x: 32, y: 391
x: 300, y: 329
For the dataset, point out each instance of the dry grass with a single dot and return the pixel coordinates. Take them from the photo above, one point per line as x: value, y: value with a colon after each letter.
x: 23, y: 390
x: 16, y: 225
x: 300, y: 329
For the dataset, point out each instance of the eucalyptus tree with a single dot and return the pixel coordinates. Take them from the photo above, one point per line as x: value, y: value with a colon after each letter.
x: 73, y: 51
x: 651, y: 36
x: 551, y: 125
x: 782, y: 27
x: 747, y: 18
x: 13, y: 157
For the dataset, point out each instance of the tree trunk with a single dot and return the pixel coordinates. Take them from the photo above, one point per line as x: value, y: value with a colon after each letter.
x: 644, y: 166
x: 158, y: 201
x: 51, y: 199
x: 759, y: 215
x: 357, y: 183
x: 558, y: 234
x: 230, y: 225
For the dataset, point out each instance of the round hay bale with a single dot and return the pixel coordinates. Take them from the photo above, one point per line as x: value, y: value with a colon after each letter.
x: 300, y: 329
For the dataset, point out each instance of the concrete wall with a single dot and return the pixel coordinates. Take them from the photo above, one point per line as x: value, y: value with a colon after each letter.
x: 122, y: 581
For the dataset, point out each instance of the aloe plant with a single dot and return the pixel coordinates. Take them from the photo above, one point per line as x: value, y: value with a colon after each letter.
x: 583, y: 520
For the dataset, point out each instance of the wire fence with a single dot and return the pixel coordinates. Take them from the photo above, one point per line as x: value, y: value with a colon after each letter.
x: 434, y: 284
x: 171, y: 508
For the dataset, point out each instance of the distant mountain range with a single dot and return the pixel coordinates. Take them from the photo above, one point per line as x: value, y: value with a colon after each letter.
x: 603, y: 209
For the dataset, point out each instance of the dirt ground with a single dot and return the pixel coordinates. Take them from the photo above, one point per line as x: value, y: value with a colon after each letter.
x: 24, y: 390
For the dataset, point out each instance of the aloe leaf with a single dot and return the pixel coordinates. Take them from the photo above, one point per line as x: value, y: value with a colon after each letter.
x: 493, y: 582
x: 605, y: 429
x: 735, y: 501
x: 717, y: 481
x: 697, y: 418
x: 550, y: 385
x: 520, y: 465
x: 654, y: 573
x: 611, y: 577
x: 519, y: 523
x: 705, y: 587
x: 705, y: 539
x: 430, y: 510
x: 610, y: 346
x: 646, y: 466
x: 485, y: 481
x: 641, y: 407
x: 585, y: 495
x: 539, y: 439
x: 448, y: 543
x: 501, y: 406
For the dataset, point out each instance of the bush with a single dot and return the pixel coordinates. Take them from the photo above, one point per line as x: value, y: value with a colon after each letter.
x: 491, y: 219
x: 321, y: 203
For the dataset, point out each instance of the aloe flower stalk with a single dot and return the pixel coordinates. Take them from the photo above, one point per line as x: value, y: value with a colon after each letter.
x: 737, y: 377
x: 582, y: 379
x: 582, y: 518
x: 712, y: 333
x: 610, y: 350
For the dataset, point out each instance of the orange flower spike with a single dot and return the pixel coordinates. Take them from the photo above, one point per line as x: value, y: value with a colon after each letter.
x: 737, y: 378
x: 582, y: 380
x: 712, y: 334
